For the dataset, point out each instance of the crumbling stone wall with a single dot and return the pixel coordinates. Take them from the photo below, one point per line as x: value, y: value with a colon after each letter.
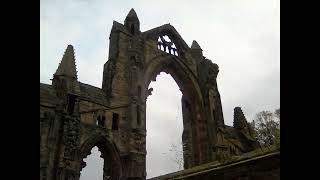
x: 260, y: 164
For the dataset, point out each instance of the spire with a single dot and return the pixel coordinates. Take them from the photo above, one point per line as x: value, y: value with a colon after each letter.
x: 132, y: 14
x: 67, y: 66
x: 132, y: 22
x: 195, y: 45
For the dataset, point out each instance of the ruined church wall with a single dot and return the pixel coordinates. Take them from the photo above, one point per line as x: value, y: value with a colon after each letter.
x: 89, y: 113
x: 120, y: 85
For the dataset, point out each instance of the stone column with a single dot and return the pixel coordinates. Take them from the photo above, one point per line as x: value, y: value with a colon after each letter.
x: 187, y: 136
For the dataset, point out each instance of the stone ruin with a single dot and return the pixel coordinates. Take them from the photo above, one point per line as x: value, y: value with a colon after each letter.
x: 75, y: 117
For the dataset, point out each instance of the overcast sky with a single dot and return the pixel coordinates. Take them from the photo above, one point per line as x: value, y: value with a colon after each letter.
x: 241, y: 36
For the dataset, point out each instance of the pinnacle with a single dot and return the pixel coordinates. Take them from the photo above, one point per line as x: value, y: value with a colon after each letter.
x: 238, y: 110
x: 238, y: 117
x: 195, y: 45
x: 132, y: 13
x: 67, y: 66
x: 132, y: 16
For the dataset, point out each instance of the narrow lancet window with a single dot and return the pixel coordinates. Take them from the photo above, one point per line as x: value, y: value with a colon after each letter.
x: 115, y: 121
x: 138, y: 116
x: 132, y: 29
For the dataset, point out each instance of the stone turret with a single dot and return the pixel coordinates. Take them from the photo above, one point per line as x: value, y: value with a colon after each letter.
x: 132, y: 23
x: 240, y: 122
x: 65, y: 80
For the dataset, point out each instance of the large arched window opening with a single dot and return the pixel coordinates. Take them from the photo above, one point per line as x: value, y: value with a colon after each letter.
x: 94, y: 166
x: 164, y: 127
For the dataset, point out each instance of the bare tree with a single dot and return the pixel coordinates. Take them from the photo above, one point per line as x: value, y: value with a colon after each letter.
x: 178, y: 155
x: 175, y: 154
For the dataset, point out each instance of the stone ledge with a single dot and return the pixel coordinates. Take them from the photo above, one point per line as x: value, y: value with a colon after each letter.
x: 215, y: 167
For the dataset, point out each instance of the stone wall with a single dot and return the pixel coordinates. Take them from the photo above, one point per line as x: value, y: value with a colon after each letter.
x: 261, y: 164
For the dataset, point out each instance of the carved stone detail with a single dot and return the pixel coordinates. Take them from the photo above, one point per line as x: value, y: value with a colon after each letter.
x: 71, y: 136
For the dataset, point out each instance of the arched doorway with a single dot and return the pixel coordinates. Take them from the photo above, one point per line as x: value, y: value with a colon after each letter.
x: 112, y: 169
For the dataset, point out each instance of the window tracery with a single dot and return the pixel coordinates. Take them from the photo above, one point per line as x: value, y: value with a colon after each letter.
x: 167, y: 45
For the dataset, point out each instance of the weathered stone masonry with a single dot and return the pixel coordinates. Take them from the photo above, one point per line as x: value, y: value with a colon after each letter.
x: 75, y: 117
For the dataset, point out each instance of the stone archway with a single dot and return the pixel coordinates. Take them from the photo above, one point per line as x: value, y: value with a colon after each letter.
x: 194, y: 129
x: 134, y: 61
x: 112, y: 167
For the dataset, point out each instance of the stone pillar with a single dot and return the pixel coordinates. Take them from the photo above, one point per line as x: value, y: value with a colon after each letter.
x: 137, y: 154
x: 187, y: 136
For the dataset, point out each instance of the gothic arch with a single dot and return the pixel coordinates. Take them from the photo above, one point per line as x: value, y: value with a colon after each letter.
x: 112, y: 163
x: 194, y: 119
x: 176, y: 67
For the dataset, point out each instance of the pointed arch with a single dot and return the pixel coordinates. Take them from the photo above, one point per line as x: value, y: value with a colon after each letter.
x: 194, y: 119
x: 181, y: 73
x: 112, y: 162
